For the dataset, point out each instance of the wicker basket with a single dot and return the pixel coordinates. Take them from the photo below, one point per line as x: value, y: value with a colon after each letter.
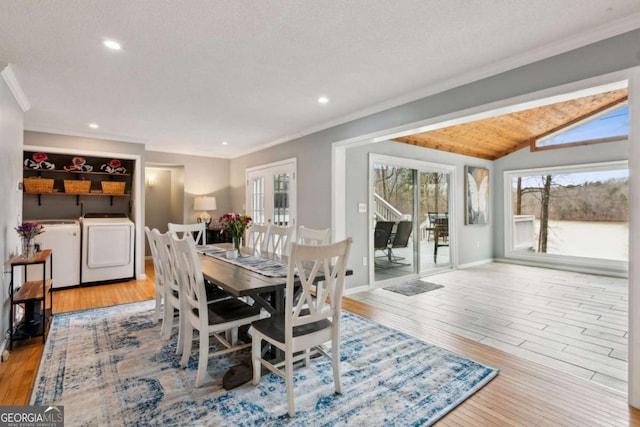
x: 113, y: 187
x: 77, y: 186
x: 38, y: 185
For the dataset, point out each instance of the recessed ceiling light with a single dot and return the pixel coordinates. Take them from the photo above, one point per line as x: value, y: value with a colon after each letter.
x: 112, y: 44
x: 93, y: 126
x: 225, y: 143
x: 323, y: 100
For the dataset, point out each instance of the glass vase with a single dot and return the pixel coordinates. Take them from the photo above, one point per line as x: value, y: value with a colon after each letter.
x: 28, y: 247
x: 237, y: 242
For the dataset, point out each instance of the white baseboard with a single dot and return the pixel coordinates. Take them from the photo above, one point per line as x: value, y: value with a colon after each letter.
x: 476, y: 263
x: 355, y: 290
x: 576, y: 268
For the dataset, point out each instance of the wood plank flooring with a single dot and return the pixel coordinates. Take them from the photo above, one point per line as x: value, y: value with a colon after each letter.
x: 524, y: 394
x: 573, y: 322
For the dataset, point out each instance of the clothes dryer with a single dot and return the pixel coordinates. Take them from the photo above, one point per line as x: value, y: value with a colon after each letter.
x: 107, y: 248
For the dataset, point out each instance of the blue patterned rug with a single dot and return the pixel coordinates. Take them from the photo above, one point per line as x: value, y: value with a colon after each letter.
x: 108, y: 366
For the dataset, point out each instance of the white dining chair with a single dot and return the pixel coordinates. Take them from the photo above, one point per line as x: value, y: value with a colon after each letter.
x: 257, y: 236
x: 171, y: 288
x: 158, y: 273
x: 309, y: 320
x: 310, y: 236
x: 197, y: 230
x: 210, y: 319
x: 279, y: 239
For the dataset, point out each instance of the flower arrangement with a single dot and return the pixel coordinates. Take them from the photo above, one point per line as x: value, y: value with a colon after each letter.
x: 29, y: 230
x: 236, y: 224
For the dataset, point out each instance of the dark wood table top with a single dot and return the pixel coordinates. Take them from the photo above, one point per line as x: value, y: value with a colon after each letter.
x: 237, y: 280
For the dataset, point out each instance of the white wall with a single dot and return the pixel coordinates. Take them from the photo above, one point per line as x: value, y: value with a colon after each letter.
x: 11, y: 136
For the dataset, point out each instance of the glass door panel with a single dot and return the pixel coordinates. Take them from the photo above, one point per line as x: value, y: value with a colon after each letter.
x: 434, y: 220
x: 394, y: 245
x: 271, y: 194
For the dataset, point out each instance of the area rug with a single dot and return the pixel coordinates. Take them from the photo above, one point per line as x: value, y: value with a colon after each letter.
x: 109, y: 366
x: 413, y: 288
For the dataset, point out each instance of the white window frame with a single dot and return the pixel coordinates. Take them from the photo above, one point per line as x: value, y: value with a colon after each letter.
x: 619, y: 268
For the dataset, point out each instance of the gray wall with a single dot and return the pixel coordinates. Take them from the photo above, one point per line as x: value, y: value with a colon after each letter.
x: 11, y: 134
x: 203, y: 176
x: 524, y: 159
x: 157, y: 202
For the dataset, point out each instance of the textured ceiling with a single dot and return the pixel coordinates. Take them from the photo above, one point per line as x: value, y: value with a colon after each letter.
x: 498, y: 136
x: 193, y: 74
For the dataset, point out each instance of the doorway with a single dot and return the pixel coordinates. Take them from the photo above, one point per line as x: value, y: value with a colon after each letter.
x: 271, y: 196
x: 410, y: 205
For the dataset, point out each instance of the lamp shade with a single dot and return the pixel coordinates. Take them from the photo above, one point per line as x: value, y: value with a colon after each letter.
x: 204, y: 204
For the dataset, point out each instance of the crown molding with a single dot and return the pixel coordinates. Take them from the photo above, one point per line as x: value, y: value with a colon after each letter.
x: 14, y: 86
x: 91, y: 135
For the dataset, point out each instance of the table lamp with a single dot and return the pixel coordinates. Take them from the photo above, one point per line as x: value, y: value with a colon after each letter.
x: 204, y: 204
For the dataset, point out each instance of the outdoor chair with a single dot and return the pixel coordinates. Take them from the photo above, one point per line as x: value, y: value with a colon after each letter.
x: 215, y: 319
x: 381, y: 236
x: 400, y: 239
x: 308, y: 321
x: 440, y: 235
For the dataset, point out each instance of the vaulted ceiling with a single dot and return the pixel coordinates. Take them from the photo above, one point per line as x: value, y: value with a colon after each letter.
x: 498, y: 136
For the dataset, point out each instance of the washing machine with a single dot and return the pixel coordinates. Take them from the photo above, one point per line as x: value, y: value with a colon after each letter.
x: 107, y: 248
x: 62, y: 236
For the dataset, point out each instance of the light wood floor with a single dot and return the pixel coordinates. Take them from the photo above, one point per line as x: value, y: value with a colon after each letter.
x: 524, y: 394
x: 573, y: 322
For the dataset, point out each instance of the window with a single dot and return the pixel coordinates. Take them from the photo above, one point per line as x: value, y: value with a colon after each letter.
x: 566, y: 213
x: 609, y: 125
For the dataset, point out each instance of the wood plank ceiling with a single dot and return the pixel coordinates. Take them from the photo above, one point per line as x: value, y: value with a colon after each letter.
x: 498, y: 136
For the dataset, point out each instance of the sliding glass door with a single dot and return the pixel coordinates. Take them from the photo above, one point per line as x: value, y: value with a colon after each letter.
x: 410, y: 218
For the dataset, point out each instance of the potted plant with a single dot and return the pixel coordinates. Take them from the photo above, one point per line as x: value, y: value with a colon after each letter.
x: 236, y: 224
x: 28, y: 231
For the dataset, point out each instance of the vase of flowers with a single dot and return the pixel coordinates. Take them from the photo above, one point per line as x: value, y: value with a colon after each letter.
x: 236, y: 224
x: 28, y: 232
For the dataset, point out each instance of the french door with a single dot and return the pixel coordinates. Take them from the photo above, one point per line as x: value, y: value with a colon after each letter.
x: 271, y: 193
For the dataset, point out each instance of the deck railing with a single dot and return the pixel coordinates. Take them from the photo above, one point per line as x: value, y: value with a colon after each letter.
x: 524, y: 231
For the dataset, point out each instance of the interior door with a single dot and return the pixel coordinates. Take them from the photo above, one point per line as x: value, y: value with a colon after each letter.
x: 271, y: 194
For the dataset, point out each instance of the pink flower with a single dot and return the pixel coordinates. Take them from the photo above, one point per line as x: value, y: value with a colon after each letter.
x: 115, y: 163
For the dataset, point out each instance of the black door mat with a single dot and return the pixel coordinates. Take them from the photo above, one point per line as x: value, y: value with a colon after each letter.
x: 413, y: 288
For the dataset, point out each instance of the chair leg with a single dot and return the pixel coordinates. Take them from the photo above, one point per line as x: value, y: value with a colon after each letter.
x: 255, y: 357
x: 167, y: 321
x: 288, y: 366
x: 203, y: 358
x: 156, y: 317
x: 335, y: 361
x: 188, y: 343
x: 181, y: 340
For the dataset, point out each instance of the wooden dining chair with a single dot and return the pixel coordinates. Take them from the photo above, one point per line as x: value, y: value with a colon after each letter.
x: 309, y: 236
x: 197, y: 230
x: 257, y: 236
x: 171, y: 288
x: 279, y: 239
x: 158, y: 273
x: 309, y: 320
x: 210, y: 319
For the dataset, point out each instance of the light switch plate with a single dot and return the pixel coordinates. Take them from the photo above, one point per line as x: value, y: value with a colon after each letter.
x: 362, y: 207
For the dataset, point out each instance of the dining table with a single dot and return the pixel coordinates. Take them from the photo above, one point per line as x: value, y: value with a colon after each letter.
x: 259, y: 275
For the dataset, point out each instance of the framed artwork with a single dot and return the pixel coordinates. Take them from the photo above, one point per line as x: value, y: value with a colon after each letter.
x: 476, y: 195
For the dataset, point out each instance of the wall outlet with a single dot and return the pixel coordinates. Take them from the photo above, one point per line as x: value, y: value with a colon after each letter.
x: 362, y: 207
x: 364, y: 261
x: 477, y: 243
x: 19, y: 186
